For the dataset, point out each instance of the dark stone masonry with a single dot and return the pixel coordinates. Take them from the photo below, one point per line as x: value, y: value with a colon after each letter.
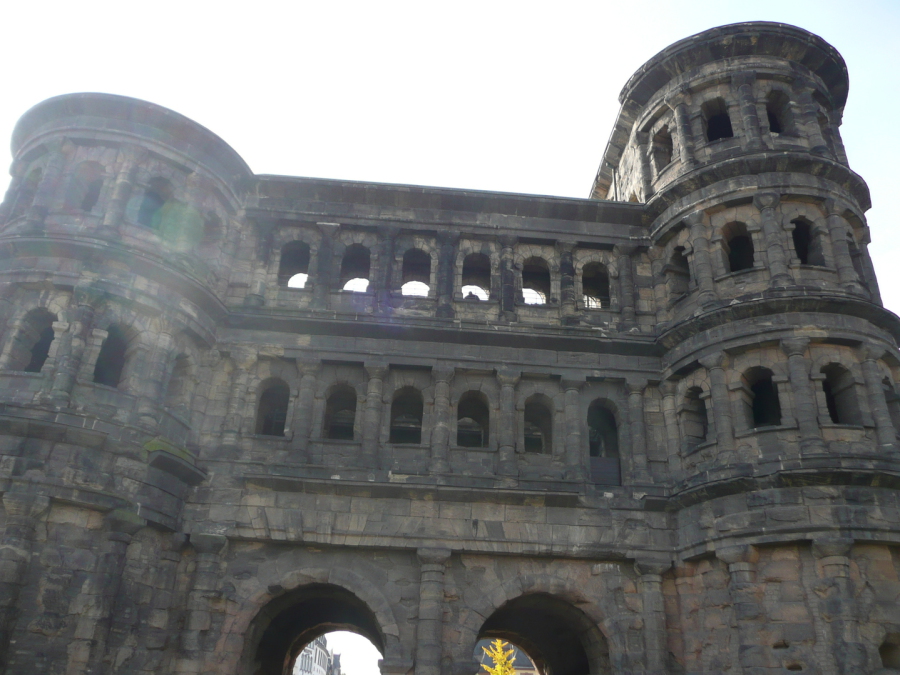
x: 652, y: 431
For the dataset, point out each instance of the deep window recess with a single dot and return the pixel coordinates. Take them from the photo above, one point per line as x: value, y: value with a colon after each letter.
x: 595, y: 286
x: 476, y: 277
x: 603, y: 445
x: 840, y: 395
x: 889, y: 651
x: 472, y: 421
x: 158, y: 192
x: 340, y: 413
x: 293, y: 270
x: 273, y: 406
x: 694, y: 419
x: 27, y: 192
x: 738, y: 247
x: 807, y: 244
x: 536, y: 282
x: 716, y: 120
x: 663, y: 149
x: 538, y: 427
x: 678, y: 274
x: 406, y: 416
x: 31, y: 346
x: 416, y: 273
x: 763, y: 406
x: 893, y: 402
x: 111, y: 359
x: 355, y: 269
x: 778, y: 112
x: 84, y: 186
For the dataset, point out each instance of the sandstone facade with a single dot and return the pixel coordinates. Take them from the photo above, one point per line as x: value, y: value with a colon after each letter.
x: 653, y: 431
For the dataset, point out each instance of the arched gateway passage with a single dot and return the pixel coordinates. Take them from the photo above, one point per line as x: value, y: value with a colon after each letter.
x: 291, y: 621
x: 558, y: 637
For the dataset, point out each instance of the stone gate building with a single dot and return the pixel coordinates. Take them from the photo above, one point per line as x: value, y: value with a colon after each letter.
x: 652, y: 431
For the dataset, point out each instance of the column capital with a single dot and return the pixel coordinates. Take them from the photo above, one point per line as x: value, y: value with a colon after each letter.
x: 565, y: 246
x: 242, y: 356
x: 125, y: 522
x: 442, y: 373
x: 713, y: 361
x: 652, y: 566
x: 833, y: 208
x: 433, y: 556
x: 508, y: 378
x: 828, y: 547
x: 328, y: 229
x: 667, y: 387
x: 743, y: 79
x: 731, y: 555
x: 507, y: 240
x: 376, y: 370
x: 696, y: 218
x: 308, y: 365
x: 766, y: 200
x: 204, y: 542
x: 625, y: 250
x: 870, y: 352
x: 795, y: 346
x: 635, y: 387
x: 571, y: 383
x: 25, y: 504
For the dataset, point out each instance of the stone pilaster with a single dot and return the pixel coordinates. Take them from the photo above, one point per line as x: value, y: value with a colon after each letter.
x: 575, y: 454
x: 639, y: 463
x: 746, y: 602
x: 806, y: 403
x: 809, y: 117
x: 643, y: 142
x: 507, y: 278
x: 48, y: 189
x: 243, y: 359
x: 117, y: 203
x: 506, y: 460
x: 567, y: 280
x: 431, y: 609
x: 384, y: 284
x: 838, y: 229
x: 440, y: 435
x: 71, y: 349
x: 447, y: 255
x: 204, y: 588
x: 702, y: 263
x: 678, y: 103
x: 743, y: 85
x: 653, y: 614
x: 626, y: 285
x: 303, y: 412
x: 668, y: 388
x: 371, y: 430
x: 721, y: 408
x: 884, y: 425
x: 837, y: 603
x: 767, y: 203
x: 323, y: 277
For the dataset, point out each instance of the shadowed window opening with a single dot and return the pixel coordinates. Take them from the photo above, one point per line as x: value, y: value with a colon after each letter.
x: 179, y: 381
x: 763, y: 406
x: 694, y: 417
x: 535, y: 281
x: 738, y: 247
x: 893, y: 402
x: 778, y: 112
x: 355, y: 268
x: 293, y: 270
x: 40, y: 351
x: 663, y: 149
x: 538, y: 429
x: 472, y: 421
x: 856, y: 259
x: 416, y: 273
x: 716, y: 121
x: 406, y: 416
x: 889, y: 651
x: 476, y: 277
x: 273, y: 406
x: 678, y: 274
x: 158, y: 192
x: 84, y: 187
x: 595, y: 285
x: 340, y: 413
x: 603, y: 445
x: 840, y: 395
x: 807, y: 245
x: 31, y: 346
x: 27, y: 192
x: 111, y: 359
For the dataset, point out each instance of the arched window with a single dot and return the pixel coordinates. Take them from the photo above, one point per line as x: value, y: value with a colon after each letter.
x: 595, y: 286
x: 694, y: 418
x: 538, y: 428
x: 536, y: 282
x: 31, y: 346
x: 406, y: 416
x: 273, y: 405
x: 416, y: 273
x: 678, y: 274
x: 807, y: 245
x: 27, y: 192
x: 603, y: 444
x: 778, y: 112
x: 663, y: 149
x: 340, y: 413
x: 840, y: 395
x: 738, y: 247
x: 293, y: 269
x: 355, y: 269
x: 158, y: 192
x: 716, y: 122
x: 893, y: 402
x: 761, y: 402
x: 472, y: 420
x: 476, y: 277
x: 856, y: 259
x: 84, y: 187
x: 111, y: 359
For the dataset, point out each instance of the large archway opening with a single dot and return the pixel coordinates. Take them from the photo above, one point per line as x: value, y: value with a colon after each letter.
x: 285, y: 637
x: 557, y: 637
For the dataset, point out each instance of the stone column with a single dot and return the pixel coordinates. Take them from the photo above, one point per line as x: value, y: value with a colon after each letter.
x: 71, y: 349
x: 371, y: 430
x: 837, y: 603
x: 678, y: 105
x: 323, y: 279
x: 837, y: 229
x: 654, y: 614
x: 506, y: 460
x: 121, y: 191
x: 742, y: 83
x: 303, y: 412
x: 431, y: 609
x: 643, y: 141
x: 567, y: 281
x: 806, y: 402
x: 884, y: 425
x: 243, y: 359
x: 668, y: 388
x: 204, y: 587
x: 718, y: 390
x: 809, y: 116
x: 639, y: 463
x: 702, y: 264
x: 626, y: 284
x: 49, y: 187
x: 448, y: 242
x: 767, y: 202
x: 746, y: 602
x: 264, y: 230
x: 383, y: 285
x: 440, y: 435
x: 507, y: 278
x: 23, y: 511
x: 575, y: 451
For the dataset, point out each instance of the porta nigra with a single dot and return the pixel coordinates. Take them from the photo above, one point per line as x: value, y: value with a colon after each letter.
x: 652, y: 431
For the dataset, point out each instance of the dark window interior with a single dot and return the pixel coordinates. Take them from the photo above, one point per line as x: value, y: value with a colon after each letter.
x: 273, y: 405
x: 406, y: 417
x: 111, y: 360
x: 538, y: 428
x: 472, y: 421
x: 595, y: 285
x: 340, y: 414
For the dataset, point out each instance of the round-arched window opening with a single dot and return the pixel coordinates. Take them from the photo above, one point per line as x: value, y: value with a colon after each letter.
x: 298, y: 281
x: 358, y: 285
x: 474, y: 293
x: 415, y: 289
x: 533, y: 297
